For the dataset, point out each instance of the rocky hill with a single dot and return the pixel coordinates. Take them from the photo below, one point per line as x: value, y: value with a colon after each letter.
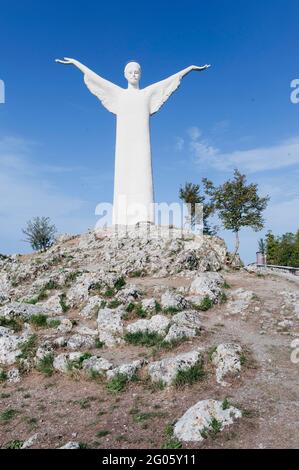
x: 134, y: 342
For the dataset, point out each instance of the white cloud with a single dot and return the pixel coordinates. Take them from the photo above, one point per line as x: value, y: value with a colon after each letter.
x: 281, y: 155
x: 179, y: 144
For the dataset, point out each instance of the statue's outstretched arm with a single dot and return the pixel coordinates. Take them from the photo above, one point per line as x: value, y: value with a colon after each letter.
x: 105, y: 90
x: 159, y: 92
x: 191, y: 68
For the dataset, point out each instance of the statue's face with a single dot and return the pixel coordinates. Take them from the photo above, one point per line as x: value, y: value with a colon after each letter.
x: 133, y: 73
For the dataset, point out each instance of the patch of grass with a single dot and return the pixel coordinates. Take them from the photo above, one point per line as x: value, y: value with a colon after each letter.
x: 83, y: 445
x: 3, y: 376
x: 16, y: 444
x: 158, y: 307
x: 28, y: 348
x: 118, y: 383
x: 94, y: 374
x: 211, y: 352
x: 53, y: 323
x: 45, y: 365
x: 171, y: 310
x: 63, y: 304
x: 130, y: 307
x: 171, y: 442
x: 39, y: 320
x: 4, y: 395
x: 223, y: 298
x: 138, y: 273
x: 13, y: 323
x: 102, y: 433
x: 243, y: 359
x: 119, y: 283
x: 226, y: 285
x: 140, y: 312
x: 212, y: 430
x: 84, y: 403
x: 141, y: 416
x: 189, y: 376
x: 204, y: 305
x: 71, y: 277
x: 51, y: 285
x: 159, y: 385
x: 215, y: 427
x: 109, y: 292
x: 114, y: 304
x: 103, y: 304
x: 226, y: 404
x: 76, y: 364
x: 8, y: 414
x: 98, y: 344
x: 42, y: 295
x: 144, y: 338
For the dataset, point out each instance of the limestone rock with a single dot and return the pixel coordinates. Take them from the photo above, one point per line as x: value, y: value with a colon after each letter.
x: 96, y: 364
x: 71, y: 445
x: 207, y: 285
x: 65, y: 326
x: 240, y: 301
x: 157, y: 324
x: 80, y: 341
x: 52, y: 304
x: 172, y: 300
x: 61, y: 361
x: 126, y: 369
x: 21, y: 310
x: 226, y: 359
x: 166, y: 370
x: 9, y: 346
x: 149, y: 305
x: 128, y: 294
x: 92, y: 307
x: 13, y: 375
x: 110, y: 325
x: 29, y: 442
x: 196, y: 423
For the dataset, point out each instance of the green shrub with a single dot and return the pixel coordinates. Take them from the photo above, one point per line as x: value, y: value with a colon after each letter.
x: 28, y: 348
x: 117, y: 383
x: 16, y: 444
x: 205, y: 304
x: 119, y: 283
x: 3, y: 375
x: 63, y: 304
x: 13, y: 323
x: 45, y: 365
x: 189, y: 376
x: 39, y: 320
x: 144, y: 338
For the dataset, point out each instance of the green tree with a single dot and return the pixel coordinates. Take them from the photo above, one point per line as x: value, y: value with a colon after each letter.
x: 272, y: 245
x: 237, y: 204
x: 262, y: 246
x: 40, y: 233
x: 190, y: 194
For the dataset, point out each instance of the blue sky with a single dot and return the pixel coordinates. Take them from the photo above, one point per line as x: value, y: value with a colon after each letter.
x: 57, y: 141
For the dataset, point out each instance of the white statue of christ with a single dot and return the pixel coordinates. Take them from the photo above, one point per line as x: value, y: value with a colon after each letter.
x: 133, y: 200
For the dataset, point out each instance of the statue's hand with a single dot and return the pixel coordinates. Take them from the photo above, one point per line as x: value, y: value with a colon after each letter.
x: 199, y: 69
x: 67, y: 61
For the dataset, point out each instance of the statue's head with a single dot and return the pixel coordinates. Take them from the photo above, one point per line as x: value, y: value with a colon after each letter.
x: 133, y: 73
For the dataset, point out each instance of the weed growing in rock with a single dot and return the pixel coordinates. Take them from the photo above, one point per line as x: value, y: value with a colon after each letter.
x: 189, y: 376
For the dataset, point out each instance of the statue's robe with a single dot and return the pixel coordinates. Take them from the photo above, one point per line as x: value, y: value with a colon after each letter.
x: 133, y: 180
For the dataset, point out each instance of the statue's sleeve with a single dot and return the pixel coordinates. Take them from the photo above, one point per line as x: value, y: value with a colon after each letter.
x: 106, y: 91
x: 160, y: 92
